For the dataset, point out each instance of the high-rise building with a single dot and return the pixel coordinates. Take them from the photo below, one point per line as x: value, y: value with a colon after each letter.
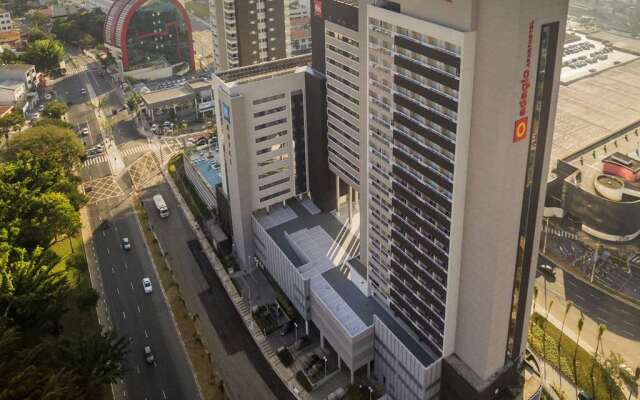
x: 249, y: 32
x: 428, y: 132
x: 149, y: 36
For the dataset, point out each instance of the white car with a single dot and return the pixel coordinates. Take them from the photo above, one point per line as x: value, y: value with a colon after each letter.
x: 146, y: 285
x: 84, y: 131
x: 41, y: 107
x: 48, y: 96
x: 36, y: 115
x: 83, y: 91
x: 126, y: 244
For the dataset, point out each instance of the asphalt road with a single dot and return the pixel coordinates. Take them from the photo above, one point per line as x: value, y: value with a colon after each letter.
x: 238, y: 358
x: 144, y: 318
x: 622, y: 320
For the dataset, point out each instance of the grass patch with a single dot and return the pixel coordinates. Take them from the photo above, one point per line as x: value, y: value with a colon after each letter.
x: 208, y: 379
x: 199, y: 9
x: 546, y: 346
x: 77, y: 321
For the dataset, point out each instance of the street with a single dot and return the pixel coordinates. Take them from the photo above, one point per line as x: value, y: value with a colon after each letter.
x: 144, y: 318
x: 622, y: 320
x: 238, y: 358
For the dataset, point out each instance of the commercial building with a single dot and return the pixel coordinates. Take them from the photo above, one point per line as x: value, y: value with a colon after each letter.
x: 191, y: 101
x: 25, y: 73
x: 261, y: 128
x: 6, y: 23
x: 412, y: 247
x: 249, y: 32
x: 18, y: 84
x: 150, y: 35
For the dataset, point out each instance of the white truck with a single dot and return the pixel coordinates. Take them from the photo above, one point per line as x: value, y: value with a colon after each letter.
x: 161, y: 206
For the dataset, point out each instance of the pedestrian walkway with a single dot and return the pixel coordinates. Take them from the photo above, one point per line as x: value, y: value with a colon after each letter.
x: 285, y: 374
x: 135, y: 149
x: 95, y: 160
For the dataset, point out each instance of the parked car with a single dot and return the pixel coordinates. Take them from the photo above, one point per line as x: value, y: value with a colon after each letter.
x: 48, y: 96
x: 148, y: 355
x: 546, y: 269
x: 41, y: 107
x: 146, y: 285
x: 36, y: 115
x: 83, y: 91
x: 84, y: 131
x: 582, y: 395
x: 126, y: 244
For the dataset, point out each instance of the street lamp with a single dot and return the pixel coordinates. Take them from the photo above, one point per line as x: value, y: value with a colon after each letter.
x: 325, y: 366
x: 370, y: 391
x: 295, y: 325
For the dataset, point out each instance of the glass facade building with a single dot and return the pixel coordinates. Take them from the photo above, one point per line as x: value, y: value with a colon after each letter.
x: 149, y: 32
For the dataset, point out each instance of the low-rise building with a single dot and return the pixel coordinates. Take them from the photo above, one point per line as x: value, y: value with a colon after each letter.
x: 25, y: 73
x: 12, y: 92
x: 189, y: 102
x: 6, y: 23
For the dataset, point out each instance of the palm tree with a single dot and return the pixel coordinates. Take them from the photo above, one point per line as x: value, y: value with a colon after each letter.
x: 575, y: 351
x: 544, y: 338
x: 615, y: 373
x: 601, y: 329
x: 567, y: 307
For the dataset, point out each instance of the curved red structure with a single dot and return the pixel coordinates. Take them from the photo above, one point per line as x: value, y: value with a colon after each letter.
x: 118, y: 20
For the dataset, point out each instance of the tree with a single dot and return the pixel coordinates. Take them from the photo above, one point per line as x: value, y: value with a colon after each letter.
x: 567, y: 307
x: 86, y: 41
x: 601, y: 330
x: 53, y: 143
x: 32, y: 296
x: 97, y: 359
x: 133, y: 101
x: 544, y: 338
x: 54, y: 122
x: 575, y: 351
x: 36, y: 33
x: 13, y: 120
x: 35, y: 19
x: 86, y: 297
x: 55, y: 109
x: 25, y: 373
x: 613, y: 373
x: 45, y: 54
x: 8, y: 57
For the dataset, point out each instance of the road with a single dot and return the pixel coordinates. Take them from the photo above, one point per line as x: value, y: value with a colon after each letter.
x: 144, y: 318
x: 622, y: 320
x: 238, y: 358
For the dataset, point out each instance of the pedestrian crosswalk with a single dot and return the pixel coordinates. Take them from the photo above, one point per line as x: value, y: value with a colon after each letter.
x: 138, y: 148
x: 95, y: 160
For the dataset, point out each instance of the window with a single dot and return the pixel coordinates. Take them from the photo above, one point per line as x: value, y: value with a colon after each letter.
x: 268, y: 124
x: 267, y: 99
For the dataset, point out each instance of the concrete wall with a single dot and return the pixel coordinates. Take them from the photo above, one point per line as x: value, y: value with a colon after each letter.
x: 295, y: 287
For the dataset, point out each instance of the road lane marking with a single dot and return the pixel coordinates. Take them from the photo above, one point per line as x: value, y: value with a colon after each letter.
x: 104, y: 234
x: 124, y: 316
x: 138, y: 368
x: 139, y: 311
x: 628, y: 323
x: 108, y: 252
x: 118, y: 290
x: 131, y: 285
x: 580, y: 297
x: 113, y: 271
x: 164, y: 395
x: 126, y: 266
x: 146, y: 334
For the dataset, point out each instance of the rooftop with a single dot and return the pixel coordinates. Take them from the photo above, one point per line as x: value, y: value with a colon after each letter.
x: 205, y: 162
x: 166, y: 95
x: 319, y: 245
x: 264, y: 70
x: 16, y: 67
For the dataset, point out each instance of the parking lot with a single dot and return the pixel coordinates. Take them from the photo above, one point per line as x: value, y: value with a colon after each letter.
x: 586, y: 57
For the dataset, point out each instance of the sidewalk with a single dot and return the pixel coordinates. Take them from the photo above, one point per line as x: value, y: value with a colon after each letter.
x: 553, y: 380
x: 285, y: 374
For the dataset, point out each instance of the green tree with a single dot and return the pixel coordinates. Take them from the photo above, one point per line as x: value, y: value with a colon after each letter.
x: 86, y: 297
x: 45, y: 54
x: 36, y: 33
x: 13, y: 120
x: 86, y: 41
x: 601, y: 330
x: 575, y: 351
x: 33, y: 297
x: 567, y: 308
x: 96, y: 360
x: 54, y: 122
x: 133, y: 101
x: 24, y: 373
x: 55, y: 109
x: 36, y: 20
x: 8, y: 57
x: 47, y: 142
x: 613, y: 373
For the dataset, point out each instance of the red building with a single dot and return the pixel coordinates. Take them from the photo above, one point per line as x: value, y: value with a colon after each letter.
x: 150, y: 31
x: 623, y: 166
